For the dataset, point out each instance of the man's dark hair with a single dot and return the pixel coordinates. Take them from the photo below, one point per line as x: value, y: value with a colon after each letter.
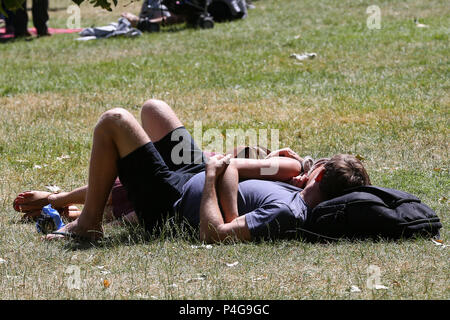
x: 342, y: 171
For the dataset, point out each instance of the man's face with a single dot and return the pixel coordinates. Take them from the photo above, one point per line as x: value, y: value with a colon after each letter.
x: 311, y: 193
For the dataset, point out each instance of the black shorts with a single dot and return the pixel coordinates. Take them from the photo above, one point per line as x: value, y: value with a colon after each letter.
x: 155, y: 174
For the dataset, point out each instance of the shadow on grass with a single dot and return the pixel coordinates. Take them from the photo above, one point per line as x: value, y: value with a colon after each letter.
x: 135, y: 235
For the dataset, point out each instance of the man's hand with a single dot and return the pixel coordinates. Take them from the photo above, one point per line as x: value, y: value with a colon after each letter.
x: 212, y: 225
x: 217, y: 165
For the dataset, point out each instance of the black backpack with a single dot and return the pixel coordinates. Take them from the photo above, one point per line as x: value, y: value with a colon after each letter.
x: 372, y: 212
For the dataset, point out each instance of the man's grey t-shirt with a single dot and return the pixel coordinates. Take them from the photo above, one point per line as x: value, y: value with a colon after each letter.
x: 272, y: 209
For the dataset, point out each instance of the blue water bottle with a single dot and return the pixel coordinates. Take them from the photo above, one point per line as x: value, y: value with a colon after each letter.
x: 49, y: 220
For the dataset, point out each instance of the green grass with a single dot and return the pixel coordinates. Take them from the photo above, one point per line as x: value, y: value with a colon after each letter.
x: 382, y: 94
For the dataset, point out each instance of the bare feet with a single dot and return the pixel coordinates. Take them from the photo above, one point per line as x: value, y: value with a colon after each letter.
x: 71, y: 212
x: 134, y: 20
x: 30, y: 201
x: 75, y: 230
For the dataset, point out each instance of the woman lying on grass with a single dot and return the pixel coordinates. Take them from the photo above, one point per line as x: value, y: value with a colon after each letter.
x: 118, y: 207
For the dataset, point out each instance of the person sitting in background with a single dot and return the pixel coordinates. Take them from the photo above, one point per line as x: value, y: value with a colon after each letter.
x: 154, y: 13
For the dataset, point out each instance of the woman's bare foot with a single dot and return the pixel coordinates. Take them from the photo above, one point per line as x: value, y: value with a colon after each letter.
x: 30, y: 201
x: 71, y: 212
x: 75, y: 230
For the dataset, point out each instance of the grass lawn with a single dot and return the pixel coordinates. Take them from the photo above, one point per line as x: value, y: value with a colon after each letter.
x: 382, y: 94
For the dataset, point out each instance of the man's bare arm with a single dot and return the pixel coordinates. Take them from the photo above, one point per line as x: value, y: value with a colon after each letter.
x: 227, y: 190
x: 225, y: 178
x: 213, y: 228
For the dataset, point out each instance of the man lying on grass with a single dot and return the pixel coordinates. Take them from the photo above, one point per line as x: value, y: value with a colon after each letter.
x: 206, y: 195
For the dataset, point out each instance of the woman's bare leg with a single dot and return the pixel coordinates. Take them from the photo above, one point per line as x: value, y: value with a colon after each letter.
x: 31, y: 202
x: 64, y: 199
